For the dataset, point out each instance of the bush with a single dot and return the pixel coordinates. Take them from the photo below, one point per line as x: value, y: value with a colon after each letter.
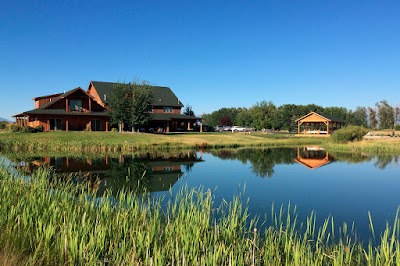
x: 3, y: 125
x: 38, y: 129
x: 349, y: 133
x: 397, y: 127
x: 13, y: 128
x: 27, y: 129
x: 114, y: 129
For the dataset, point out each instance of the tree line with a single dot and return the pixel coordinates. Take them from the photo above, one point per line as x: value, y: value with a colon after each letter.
x: 266, y: 115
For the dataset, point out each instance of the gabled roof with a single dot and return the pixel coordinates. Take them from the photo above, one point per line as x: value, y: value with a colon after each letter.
x: 43, y: 109
x: 163, y: 96
x: 47, y: 96
x: 330, y: 118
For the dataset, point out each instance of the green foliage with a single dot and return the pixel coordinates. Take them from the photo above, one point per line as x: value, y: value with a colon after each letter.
x: 349, y: 133
x: 373, y: 121
x: 13, y: 128
x: 397, y: 127
x: 3, y: 125
x: 58, y: 223
x: 262, y: 115
x: 142, y: 96
x: 358, y: 117
x: 386, y: 115
x: 188, y: 110
x: 119, y: 105
x: 130, y: 103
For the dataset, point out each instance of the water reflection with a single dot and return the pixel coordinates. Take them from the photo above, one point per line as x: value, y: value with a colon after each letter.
x: 313, y: 157
x: 263, y: 161
x: 134, y: 173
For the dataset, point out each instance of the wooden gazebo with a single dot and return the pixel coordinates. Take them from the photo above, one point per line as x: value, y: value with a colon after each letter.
x: 317, y: 124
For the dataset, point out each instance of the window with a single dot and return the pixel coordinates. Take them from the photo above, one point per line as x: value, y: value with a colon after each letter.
x: 75, y: 105
x: 167, y: 109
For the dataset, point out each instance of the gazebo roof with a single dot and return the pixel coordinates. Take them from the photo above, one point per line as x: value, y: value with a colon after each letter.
x: 315, y: 117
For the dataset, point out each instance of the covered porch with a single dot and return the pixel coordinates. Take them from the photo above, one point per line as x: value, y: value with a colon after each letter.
x: 161, y: 123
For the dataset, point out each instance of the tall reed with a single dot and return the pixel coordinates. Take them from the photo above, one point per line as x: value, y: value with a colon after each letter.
x: 58, y: 223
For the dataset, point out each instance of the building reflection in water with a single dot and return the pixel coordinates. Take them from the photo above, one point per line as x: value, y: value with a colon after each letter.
x: 313, y: 157
x: 139, y: 173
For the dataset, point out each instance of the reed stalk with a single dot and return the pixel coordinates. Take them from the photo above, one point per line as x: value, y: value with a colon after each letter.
x: 56, y: 223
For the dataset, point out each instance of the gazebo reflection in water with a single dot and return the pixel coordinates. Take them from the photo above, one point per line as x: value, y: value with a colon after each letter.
x: 313, y: 157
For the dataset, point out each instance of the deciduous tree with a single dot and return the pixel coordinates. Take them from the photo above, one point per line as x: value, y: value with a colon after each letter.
x: 373, y: 122
x: 385, y: 114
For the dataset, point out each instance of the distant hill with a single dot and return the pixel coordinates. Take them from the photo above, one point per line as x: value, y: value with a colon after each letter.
x: 3, y: 119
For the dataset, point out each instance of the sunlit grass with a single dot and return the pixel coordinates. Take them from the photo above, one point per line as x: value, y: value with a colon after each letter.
x: 55, y: 223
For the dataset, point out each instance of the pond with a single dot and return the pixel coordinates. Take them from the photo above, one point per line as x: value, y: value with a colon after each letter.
x: 343, y: 185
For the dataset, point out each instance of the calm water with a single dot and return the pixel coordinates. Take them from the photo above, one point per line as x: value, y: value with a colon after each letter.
x: 343, y: 185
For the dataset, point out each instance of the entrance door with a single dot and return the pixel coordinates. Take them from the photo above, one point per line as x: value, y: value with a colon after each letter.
x: 55, y: 124
x: 96, y: 125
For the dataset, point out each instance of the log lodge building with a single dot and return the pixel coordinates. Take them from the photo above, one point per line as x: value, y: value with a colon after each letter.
x: 79, y: 110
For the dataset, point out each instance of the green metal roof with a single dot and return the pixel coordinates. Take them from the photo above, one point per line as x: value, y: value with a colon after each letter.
x: 169, y: 117
x: 163, y: 96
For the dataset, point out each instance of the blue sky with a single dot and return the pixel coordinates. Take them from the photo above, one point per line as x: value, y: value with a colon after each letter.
x: 212, y: 54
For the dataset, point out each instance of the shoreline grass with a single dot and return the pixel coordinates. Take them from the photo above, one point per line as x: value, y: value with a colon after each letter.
x: 112, y: 142
x: 56, y: 223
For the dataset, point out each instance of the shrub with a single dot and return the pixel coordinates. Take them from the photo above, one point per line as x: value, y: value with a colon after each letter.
x: 3, y: 125
x: 397, y: 127
x: 27, y: 129
x: 13, y: 128
x: 39, y: 128
x: 114, y: 129
x: 349, y: 133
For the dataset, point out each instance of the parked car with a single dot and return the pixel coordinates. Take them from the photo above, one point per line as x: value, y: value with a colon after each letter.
x: 249, y: 129
x: 219, y: 128
x: 237, y: 128
x: 222, y: 128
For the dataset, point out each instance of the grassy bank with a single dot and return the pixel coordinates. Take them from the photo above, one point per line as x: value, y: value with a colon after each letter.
x: 56, y: 224
x: 129, y: 142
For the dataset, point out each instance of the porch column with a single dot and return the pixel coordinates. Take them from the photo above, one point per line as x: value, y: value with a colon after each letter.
x: 201, y: 127
x: 167, y: 129
x: 66, y: 105
x: 90, y: 105
x: 66, y: 124
x: 327, y: 128
x: 48, y: 125
x: 106, y: 125
x: 188, y: 125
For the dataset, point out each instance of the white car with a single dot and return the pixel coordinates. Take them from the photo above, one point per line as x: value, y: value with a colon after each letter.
x: 237, y: 128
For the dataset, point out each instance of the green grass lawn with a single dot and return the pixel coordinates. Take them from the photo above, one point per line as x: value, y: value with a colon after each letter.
x: 125, y: 142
